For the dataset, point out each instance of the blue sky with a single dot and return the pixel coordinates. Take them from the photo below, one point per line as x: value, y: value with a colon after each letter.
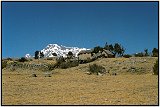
x: 31, y: 26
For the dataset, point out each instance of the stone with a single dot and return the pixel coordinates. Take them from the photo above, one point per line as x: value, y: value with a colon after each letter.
x: 100, y: 74
x: 34, y: 75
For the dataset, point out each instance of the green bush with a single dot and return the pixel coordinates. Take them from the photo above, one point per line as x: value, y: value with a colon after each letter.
x: 155, y: 68
x: 60, y: 60
x: 139, y: 55
x: 74, y: 63
x: 9, y: 59
x: 95, y: 69
x: 66, y: 65
x: 61, y: 63
x: 23, y: 59
x: 127, y: 56
x: 4, y: 64
x: 155, y: 52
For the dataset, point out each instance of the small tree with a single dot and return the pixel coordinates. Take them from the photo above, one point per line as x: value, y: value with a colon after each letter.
x: 59, y: 60
x: 139, y: 54
x: 122, y: 51
x: 70, y: 54
x: 41, y: 55
x: 155, y: 52
x: 127, y: 56
x: 4, y: 64
x: 146, y: 52
x: 155, y: 68
x: 95, y: 69
x: 106, y: 46
x: 117, y: 49
x: 97, y: 49
x: 23, y: 59
x: 111, y: 47
x: 36, y: 55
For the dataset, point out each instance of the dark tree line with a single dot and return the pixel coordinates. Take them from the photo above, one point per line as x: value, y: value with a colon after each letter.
x: 155, y: 52
x: 39, y: 54
x: 116, y: 49
x: 146, y: 53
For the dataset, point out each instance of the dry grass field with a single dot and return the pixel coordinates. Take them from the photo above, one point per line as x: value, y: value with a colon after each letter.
x: 73, y: 86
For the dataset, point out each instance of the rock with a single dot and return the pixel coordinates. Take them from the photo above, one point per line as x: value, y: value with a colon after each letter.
x: 34, y: 75
x: 100, y: 74
x: 47, y: 75
x: 89, y: 73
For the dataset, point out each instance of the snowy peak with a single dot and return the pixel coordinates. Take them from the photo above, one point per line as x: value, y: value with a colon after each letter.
x: 60, y: 50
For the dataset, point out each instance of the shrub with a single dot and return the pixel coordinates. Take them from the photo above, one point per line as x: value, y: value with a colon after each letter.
x: 95, y: 69
x: 155, y: 52
x: 51, y: 67
x: 37, y: 54
x: 66, y: 65
x: 4, y: 64
x: 50, y: 58
x: 41, y: 55
x: 30, y: 59
x: 137, y: 70
x: 23, y: 59
x: 139, y: 55
x: 146, y: 52
x: 97, y: 49
x: 88, y: 60
x: 74, y: 63
x: 59, y: 61
x: 127, y: 56
x: 9, y: 59
x: 155, y: 68
x: 70, y: 53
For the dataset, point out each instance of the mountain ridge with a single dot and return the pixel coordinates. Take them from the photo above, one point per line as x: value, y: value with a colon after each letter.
x: 60, y: 50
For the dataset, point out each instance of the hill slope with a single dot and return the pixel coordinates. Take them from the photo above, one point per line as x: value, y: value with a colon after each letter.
x: 73, y: 87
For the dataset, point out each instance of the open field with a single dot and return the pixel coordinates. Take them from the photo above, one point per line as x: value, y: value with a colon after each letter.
x: 73, y: 86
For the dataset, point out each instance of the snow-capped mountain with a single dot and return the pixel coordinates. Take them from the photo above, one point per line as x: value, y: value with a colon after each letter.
x: 27, y: 56
x: 60, y: 50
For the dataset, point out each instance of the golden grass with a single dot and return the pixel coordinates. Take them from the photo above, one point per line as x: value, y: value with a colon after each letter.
x: 73, y: 87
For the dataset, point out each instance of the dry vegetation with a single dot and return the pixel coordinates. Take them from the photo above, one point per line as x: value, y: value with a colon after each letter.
x: 134, y: 84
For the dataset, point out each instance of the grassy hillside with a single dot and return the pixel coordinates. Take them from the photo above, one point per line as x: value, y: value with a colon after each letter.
x: 133, y: 65
x: 134, y: 84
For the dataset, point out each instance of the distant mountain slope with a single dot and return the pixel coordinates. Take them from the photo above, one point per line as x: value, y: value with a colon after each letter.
x: 60, y: 50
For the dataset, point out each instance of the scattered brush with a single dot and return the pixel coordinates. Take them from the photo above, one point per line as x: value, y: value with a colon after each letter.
x: 155, y: 68
x: 96, y: 69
